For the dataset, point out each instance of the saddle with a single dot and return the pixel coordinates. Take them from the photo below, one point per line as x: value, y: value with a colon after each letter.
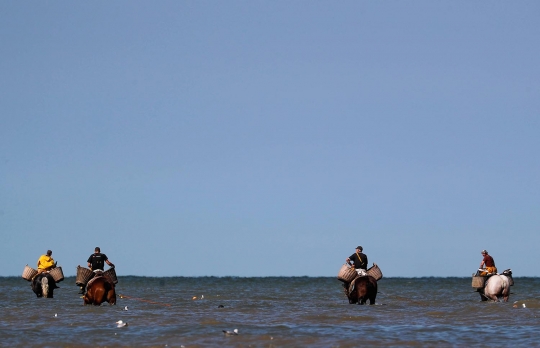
x: 99, y: 275
x: 350, y: 288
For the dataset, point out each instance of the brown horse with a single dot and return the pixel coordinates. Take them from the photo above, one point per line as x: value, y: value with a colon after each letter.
x: 98, y: 290
x: 363, y: 289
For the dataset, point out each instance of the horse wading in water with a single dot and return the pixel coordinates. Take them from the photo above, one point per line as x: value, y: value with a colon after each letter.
x: 497, y: 286
x: 43, y: 285
x: 361, y: 290
x: 98, y: 290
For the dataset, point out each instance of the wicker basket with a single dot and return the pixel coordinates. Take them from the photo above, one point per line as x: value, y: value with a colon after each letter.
x: 111, y: 275
x: 375, y: 272
x: 478, y: 281
x: 29, y: 273
x: 83, y: 275
x: 57, y: 274
x: 346, y: 273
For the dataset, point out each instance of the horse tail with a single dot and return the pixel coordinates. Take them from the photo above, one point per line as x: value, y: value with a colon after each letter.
x: 45, y: 286
x: 97, y: 291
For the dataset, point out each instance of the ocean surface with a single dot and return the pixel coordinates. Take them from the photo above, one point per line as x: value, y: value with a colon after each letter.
x: 270, y: 312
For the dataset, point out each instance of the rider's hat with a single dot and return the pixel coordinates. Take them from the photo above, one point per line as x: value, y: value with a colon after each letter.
x: 359, y: 248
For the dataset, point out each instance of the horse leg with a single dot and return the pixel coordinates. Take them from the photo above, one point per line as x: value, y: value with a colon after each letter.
x: 362, y: 299
x: 353, y: 297
x: 494, y: 298
x: 88, y: 297
x: 373, y: 294
x: 36, y: 287
x: 482, y: 296
x: 506, y: 294
x: 111, y: 297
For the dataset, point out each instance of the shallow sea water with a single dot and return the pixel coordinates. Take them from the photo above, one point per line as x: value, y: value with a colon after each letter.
x: 270, y: 312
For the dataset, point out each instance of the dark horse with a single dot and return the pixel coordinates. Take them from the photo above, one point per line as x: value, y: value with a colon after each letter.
x: 43, y: 285
x: 362, y: 289
x: 98, y: 290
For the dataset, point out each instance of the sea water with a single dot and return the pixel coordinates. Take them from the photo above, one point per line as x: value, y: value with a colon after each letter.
x: 269, y: 312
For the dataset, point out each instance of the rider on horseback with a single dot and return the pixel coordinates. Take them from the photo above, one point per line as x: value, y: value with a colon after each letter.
x: 96, y: 262
x: 359, y: 260
x: 45, y: 263
x: 489, y: 264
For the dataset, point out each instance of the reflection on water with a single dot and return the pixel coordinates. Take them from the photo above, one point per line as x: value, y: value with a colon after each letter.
x: 270, y: 312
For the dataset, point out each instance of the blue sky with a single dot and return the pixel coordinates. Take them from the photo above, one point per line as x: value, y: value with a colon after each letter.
x: 270, y: 138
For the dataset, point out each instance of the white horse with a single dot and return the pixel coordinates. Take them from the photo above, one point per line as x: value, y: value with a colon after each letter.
x: 498, y: 286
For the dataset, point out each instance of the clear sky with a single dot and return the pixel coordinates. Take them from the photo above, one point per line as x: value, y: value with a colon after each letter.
x: 270, y: 138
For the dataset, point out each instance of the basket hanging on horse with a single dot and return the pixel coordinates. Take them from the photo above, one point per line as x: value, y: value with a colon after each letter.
x: 111, y: 275
x: 375, y: 272
x: 347, y: 273
x: 83, y: 275
x: 29, y: 273
x: 57, y: 274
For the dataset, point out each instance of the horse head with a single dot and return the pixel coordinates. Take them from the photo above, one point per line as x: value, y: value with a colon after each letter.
x: 508, y: 274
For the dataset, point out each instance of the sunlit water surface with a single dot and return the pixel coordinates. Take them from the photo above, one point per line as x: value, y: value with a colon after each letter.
x: 270, y: 312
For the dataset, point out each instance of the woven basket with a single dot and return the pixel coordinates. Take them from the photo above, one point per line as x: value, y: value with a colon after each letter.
x: 375, y: 272
x: 346, y: 273
x: 29, y: 273
x: 111, y: 275
x: 478, y: 281
x: 57, y: 274
x: 83, y: 275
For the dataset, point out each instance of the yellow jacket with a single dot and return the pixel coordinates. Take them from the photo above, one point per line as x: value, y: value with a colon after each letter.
x: 45, y: 262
